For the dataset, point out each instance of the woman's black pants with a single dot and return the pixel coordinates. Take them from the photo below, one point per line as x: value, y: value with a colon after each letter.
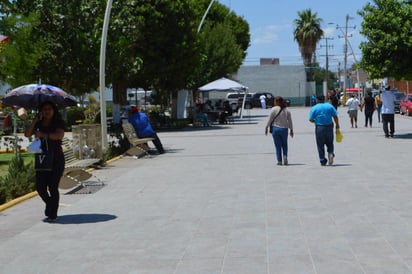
x: 47, y: 185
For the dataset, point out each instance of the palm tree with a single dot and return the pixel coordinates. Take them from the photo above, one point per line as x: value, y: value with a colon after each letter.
x: 307, y: 33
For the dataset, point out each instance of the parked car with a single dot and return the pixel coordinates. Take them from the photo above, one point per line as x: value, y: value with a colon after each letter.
x: 248, y: 102
x: 236, y: 100
x: 405, y: 106
x: 398, y: 98
x: 256, y: 99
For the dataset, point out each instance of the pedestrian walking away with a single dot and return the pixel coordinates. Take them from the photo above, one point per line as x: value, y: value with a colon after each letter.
x: 388, y: 111
x: 323, y: 115
x: 48, y: 126
x: 280, y: 121
x: 353, y: 105
x: 313, y: 100
x: 368, y: 105
x: 333, y: 99
x: 378, y: 103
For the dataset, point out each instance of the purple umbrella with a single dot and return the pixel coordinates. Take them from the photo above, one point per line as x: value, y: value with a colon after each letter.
x: 33, y: 95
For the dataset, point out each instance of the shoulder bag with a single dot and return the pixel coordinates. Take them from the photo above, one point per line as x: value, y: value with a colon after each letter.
x: 44, y: 161
x: 270, y: 129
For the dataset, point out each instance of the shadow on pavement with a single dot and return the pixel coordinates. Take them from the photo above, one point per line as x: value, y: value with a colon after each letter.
x: 403, y: 136
x: 337, y: 165
x: 84, y: 218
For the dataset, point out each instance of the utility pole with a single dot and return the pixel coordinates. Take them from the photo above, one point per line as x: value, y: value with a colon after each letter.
x: 339, y: 86
x: 327, y: 59
x: 345, y: 51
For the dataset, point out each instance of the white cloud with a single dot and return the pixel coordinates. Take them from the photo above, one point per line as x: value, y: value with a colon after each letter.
x: 267, y: 34
x: 329, y: 32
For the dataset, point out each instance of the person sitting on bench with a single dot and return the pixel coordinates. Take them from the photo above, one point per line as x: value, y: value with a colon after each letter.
x: 226, y: 112
x: 143, y: 127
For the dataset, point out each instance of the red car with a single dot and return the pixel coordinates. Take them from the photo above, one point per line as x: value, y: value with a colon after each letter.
x: 405, y: 106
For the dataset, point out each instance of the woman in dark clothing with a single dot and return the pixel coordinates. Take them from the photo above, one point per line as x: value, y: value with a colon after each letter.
x: 226, y: 112
x: 48, y: 126
x: 370, y: 106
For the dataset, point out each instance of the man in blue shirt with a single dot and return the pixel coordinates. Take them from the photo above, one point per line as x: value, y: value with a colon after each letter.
x: 143, y: 127
x: 323, y: 115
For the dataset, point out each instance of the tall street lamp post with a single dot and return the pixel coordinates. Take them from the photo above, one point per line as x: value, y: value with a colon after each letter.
x: 198, y: 30
x: 103, y: 118
x: 204, y: 15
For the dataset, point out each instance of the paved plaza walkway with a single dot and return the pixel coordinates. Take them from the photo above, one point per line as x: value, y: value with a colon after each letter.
x: 216, y: 202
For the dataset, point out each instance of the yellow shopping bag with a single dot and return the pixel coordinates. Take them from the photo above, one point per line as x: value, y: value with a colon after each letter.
x: 339, y: 136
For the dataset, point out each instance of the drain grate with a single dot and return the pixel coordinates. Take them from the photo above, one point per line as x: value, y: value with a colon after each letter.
x: 86, y: 189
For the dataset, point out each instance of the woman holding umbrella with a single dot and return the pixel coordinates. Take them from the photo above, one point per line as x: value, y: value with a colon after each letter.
x: 48, y: 126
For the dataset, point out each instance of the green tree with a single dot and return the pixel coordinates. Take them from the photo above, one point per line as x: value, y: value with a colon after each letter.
x: 308, y: 33
x: 154, y: 50
x: 221, y: 53
x: 223, y: 41
x: 319, y: 76
x: 387, y: 51
x: 21, y: 54
x: 122, y: 58
x: 151, y: 44
x: 67, y: 32
x: 168, y: 45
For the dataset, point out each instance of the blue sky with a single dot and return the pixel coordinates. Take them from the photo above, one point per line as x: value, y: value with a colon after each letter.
x: 271, y: 27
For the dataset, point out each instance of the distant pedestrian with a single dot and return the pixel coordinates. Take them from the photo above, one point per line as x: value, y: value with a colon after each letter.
x: 353, y: 105
x: 200, y: 114
x: 313, y: 100
x: 378, y: 103
x: 388, y: 111
x: 262, y: 99
x: 333, y: 98
x: 280, y: 121
x: 368, y: 105
x: 323, y: 115
x: 226, y: 112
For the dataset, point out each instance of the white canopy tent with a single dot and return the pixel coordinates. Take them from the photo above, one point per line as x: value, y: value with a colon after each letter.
x: 224, y: 84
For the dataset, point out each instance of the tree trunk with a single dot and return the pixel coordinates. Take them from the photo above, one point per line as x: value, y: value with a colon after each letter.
x: 174, y: 105
x: 119, y: 99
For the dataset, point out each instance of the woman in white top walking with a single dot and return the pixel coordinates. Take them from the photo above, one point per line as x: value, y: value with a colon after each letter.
x: 280, y: 120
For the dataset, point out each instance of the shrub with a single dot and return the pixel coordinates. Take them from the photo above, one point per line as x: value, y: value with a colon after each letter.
x: 75, y: 116
x: 19, y: 181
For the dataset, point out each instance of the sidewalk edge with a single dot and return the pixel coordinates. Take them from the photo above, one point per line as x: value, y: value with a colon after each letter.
x: 17, y: 200
x: 34, y: 193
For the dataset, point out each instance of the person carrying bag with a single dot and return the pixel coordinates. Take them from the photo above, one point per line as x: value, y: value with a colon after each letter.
x: 43, y: 161
x: 279, y: 126
x: 48, y: 126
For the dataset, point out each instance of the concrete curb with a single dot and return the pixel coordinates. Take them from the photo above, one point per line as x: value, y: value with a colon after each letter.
x: 17, y: 200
